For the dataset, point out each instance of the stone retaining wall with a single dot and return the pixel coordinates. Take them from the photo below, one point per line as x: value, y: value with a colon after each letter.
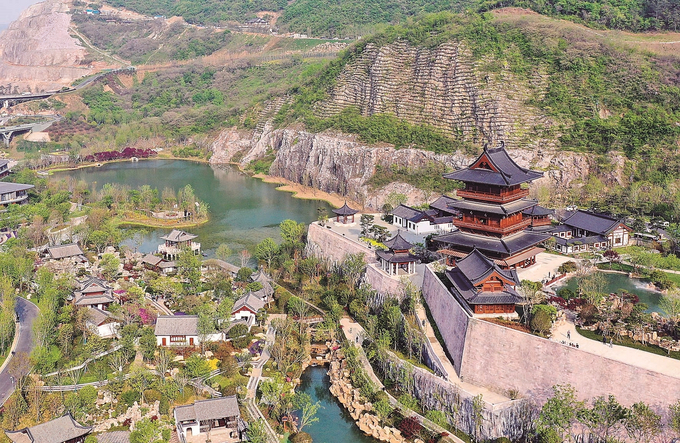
x: 329, y: 244
x: 383, y: 283
x: 450, y: 317
x: 503, y: 359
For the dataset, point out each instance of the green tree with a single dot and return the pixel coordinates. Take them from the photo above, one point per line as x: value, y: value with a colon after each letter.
x: 196, y: 366
x: 147, y: 431
x: 223, y: 252
x: 147, y: 344
x: 559, y: 413
x: 292, y: 231
x: 605, y: 415
x: 257, y: 432
x: 189, y: 267
x: 266, y: 251
x: 642, y: 424
x: 308, y: 410
x: 206, y: 327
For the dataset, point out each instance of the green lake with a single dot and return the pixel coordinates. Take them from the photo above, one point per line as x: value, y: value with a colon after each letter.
x: 243, y: 210
x: 335, y: 424
x: 621, y: 282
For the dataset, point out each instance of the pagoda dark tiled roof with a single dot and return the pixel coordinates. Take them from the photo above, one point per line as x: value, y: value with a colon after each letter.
x: 345, y: 210
x: 510, y: 172
x: 589, y: 221
x: 398, y: 243
x: 538, y: 210
x: 507, y: 245
x: 490, y: 208
x: 472, y: 270
x: 476, y: 267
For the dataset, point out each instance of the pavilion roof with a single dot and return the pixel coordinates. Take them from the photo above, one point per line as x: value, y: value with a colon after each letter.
x: 344, y: 210
x: 502, y: 169
x: 398, y: 243
x: 178, y: 236
x: 396, y: 257
x: 590, y: 221
x: 539, y: 210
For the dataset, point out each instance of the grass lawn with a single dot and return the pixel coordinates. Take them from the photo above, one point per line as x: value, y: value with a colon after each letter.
x: 630, y: 343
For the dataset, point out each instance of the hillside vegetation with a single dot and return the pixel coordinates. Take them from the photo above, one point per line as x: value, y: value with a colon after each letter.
x: 347, y: 18
x: 604, y: 98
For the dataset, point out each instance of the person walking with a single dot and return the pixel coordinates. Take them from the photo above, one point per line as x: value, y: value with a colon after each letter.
x: 568, y: 335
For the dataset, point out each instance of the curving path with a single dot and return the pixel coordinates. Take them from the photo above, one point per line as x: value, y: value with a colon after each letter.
x: 26, y: 314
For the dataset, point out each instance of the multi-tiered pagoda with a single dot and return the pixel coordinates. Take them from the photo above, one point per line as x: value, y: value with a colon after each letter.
x: 493, y: 214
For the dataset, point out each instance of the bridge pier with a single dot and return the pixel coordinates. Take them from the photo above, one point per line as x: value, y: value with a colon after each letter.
x: 7, y: 136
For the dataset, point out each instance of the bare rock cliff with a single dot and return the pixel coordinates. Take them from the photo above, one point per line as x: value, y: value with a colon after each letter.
x: 37, y: 52
x: 338, y: 163
x: 446, y: 88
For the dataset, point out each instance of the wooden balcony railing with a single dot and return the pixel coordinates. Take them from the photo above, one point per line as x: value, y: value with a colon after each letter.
x: 496, y: 198
x: 490, y: 228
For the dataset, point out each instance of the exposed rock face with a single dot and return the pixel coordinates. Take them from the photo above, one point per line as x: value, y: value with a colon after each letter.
x: 445, y: 88
x: 338, y: 163
x: 37, y: 52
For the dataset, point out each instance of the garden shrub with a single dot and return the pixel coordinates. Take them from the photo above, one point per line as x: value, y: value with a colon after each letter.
x: 410, y: 427
x: 130, y: 397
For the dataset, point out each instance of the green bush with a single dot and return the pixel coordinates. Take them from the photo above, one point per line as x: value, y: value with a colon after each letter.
x: 129, y: 397
x: 541, y: 321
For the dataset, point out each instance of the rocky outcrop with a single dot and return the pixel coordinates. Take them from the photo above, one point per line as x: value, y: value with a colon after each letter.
x: 476, y: 100
x: 358, y: 407
x: 338, y: 163
x: 37, y: 52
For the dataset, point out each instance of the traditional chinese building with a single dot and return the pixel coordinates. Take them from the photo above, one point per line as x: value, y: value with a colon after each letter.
x: 219, y: 419
x: 94, y: 293
x: 584, y: 231
x: 397, y: 259
x: 60, y: 430
x: 345, y: 214
x: 492, y: 212
x: 483, y: 286
x: 176, y: 242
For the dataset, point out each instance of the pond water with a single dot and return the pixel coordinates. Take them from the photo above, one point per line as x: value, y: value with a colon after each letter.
x: 335, y: 424
x: 243, y: 210
x: 621, y: 282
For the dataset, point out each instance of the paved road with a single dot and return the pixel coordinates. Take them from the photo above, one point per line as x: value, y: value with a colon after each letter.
x: 27, y: 312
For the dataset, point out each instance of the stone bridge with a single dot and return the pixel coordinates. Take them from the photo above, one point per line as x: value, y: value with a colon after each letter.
x: 15, y: 99
x: 9, y: 131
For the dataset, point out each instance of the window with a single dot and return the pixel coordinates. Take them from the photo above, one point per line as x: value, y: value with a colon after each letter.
x: 617, y: 240
x: 178, y: 338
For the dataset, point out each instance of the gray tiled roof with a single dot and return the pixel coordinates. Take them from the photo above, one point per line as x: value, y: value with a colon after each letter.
x: 345, y: 210
x: 538, y: 210
x: 178, y: 236
x: 152, y: 260
x: 250, y: 301
x: 398, y: 243
x: 471, y: 271
x: 13, y: 187
x: 114, y: 437
x: 510, y: 172
x: 391, y: 257
x: 211, y: 409
x: 233, y: 269
x: 443, y: 204
x: 476, y: 267
x: 97, y: 317
x: 176, y: 325
x: 407, y: 212
x: 64, y: 251
x: 58, y: 430
x: 589, y: 221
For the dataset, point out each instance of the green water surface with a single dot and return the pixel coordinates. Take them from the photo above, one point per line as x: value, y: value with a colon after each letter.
x: 243, y: 210
x: 621, y: 282
x: 335, y: 424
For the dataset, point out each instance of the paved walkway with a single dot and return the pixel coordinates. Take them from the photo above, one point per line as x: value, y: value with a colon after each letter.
x: 634, y: 357
x: 26, y: 312
x: 256, y: 373
x: 545, y: 264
